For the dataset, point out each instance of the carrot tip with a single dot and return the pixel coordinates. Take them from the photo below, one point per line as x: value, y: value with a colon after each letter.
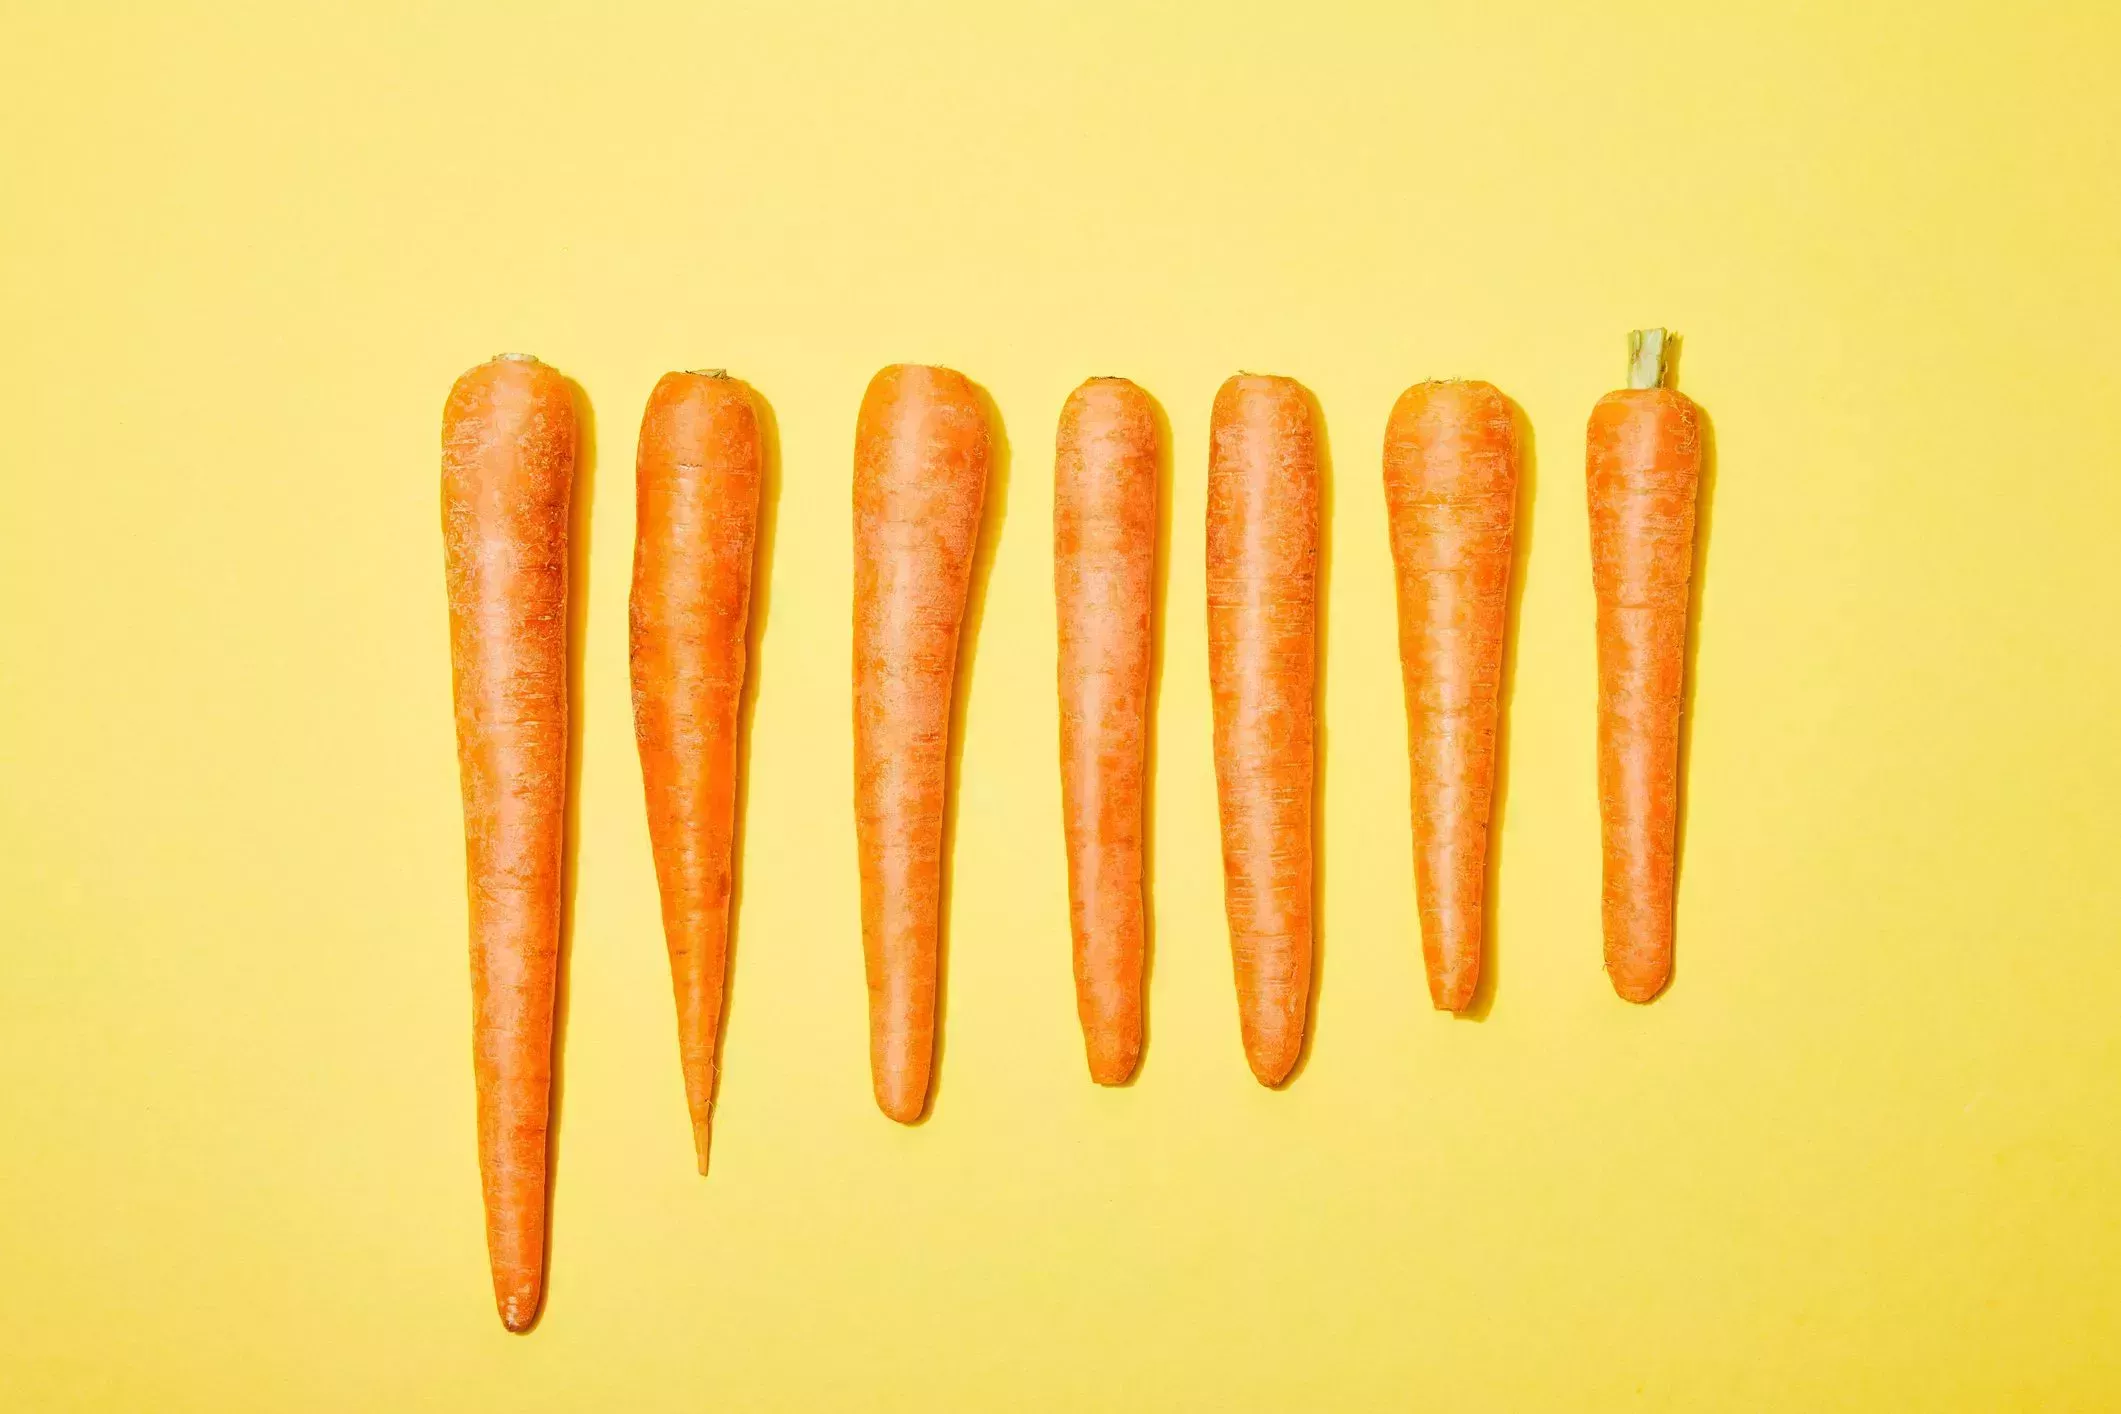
x: 1273, y: 1056
x: 1271, y: 1071
x: 519, y: 1312
x: 1455, y: 996
x: 702, y: 1136
x: 1640, y: 989
x: 1273, y: 1036
x: 900, y: 1097
x: 903, y: 1109
x: 1114, y: 1066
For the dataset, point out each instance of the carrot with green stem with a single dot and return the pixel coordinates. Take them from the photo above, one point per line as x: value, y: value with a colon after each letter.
x: 1451, y: 497
x: 509, y: 436
x: 921, y: 450
x: 1104, y: 560
x: 1262, y: 670
x: 697, y: 507
x: 1644, y: 474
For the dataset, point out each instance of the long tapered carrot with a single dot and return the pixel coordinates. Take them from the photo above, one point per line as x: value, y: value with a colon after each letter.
x: 1262, y: 669
x: 921, y: 451
x: 508, y: 456
x: 1644, y: 473
x: 1451, y: 496
x: 697, y: 508
x: 1104, y: 560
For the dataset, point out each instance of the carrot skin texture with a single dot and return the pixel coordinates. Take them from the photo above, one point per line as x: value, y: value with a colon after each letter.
x: 1451, y: 497
x: 921, y: 454
x: 1262, y: 669
x: 1104, y: 563
x: 1644, y: 474
x: 509, y: 437
x: 697, y: 503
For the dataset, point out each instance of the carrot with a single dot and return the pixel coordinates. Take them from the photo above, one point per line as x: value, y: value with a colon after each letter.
x: 921, y: 448
x: 1451, y: 493
x: 508, y: 454
x: 1262, y: 668
x: 1644, y: 472
x: 1104, y: 557
x: 697, y: 505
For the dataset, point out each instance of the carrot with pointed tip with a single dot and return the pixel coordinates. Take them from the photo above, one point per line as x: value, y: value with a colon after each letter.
x: 1104, y: 560
x: 509, y: 434
x: 1451, y: 497
x: 1644, y: 474
x: 697, y: 509
x: 921, y: 452
x: 1262, y: 670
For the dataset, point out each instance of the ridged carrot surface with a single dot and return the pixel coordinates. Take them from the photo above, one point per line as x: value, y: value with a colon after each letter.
x: 1104, y: 563
x: 921, y: 453
x: 1451, y: 498
x: 508, y: 458
x: 696, y: 504
x: 1262, y: 671
x: 1644, y: 475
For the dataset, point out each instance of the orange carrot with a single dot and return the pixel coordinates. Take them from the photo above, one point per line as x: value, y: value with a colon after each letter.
x: 508, y: 455
x: 921, y: 448
x: 1644, y: 473
x: 1451, y: 494
x: 1262, y: 669
x: 697, y: 506
x: 1104, y: 557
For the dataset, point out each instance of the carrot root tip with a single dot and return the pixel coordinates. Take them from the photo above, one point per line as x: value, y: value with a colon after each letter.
x: 902, y: 1110
x: 900, y: 1099
x: 1114, y: 1066
x: 1273, y: 1059
x: 1640, y: 989
x: 519, y: 1312
x: 1272, y: 1073
x: 1455, y: 996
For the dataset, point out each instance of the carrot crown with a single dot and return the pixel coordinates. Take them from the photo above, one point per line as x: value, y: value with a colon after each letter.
x: 1649, y: 358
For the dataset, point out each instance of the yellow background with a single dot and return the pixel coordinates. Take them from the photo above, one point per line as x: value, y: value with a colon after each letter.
x: 1864, y: 1154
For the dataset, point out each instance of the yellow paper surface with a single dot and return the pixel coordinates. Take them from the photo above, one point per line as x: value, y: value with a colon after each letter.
x: 1864, y: 1154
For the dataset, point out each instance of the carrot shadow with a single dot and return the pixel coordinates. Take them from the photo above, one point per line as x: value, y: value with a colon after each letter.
x: 581, y: 510
x: 747, y: 706
x: 1322, y: 584
x: 993, y: 511
x: 1697, y: 595
x: 1159, y: 596
x: 1506, y: 696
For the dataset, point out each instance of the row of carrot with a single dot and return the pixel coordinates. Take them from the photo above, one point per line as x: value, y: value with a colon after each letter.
x: 923, y: 449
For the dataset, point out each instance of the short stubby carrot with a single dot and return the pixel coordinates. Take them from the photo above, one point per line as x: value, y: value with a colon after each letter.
x: 1644, y: 474
x: 696, y: 507
x: 1451, y: 497
x: 509, y: 435
x: 921, y: 453
x: 1104, y: 561
x: 1262, y: 670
